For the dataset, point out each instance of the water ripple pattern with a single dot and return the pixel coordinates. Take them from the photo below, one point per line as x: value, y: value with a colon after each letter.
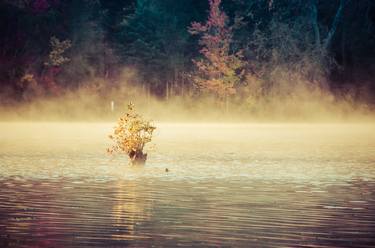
x: 227, y: 185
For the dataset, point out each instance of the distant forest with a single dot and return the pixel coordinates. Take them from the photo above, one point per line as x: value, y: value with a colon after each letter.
x: 246, y: 50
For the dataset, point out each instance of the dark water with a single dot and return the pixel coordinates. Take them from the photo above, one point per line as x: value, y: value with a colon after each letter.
x: 227, y: 186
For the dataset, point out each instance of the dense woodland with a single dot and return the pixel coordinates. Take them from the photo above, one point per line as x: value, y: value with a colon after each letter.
x: 242, y: 50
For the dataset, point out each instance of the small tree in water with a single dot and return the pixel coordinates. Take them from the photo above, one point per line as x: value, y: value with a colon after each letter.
x: 130, y: 136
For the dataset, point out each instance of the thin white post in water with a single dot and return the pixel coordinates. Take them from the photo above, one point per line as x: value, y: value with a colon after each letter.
x: 167, y: 91
x: 112, y: 106
x: 226, y: 103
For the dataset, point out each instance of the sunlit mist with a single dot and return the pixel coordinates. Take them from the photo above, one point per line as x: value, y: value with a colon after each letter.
x: 192, y: 123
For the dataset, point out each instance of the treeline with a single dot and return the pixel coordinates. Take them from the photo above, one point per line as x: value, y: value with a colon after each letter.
x: 239, y: 50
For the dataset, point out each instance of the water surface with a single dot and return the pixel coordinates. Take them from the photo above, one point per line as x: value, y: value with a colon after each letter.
x: 259, y: 185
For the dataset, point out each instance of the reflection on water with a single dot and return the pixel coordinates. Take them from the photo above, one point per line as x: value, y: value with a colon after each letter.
x: 228, y: 185
x: 131, y: 208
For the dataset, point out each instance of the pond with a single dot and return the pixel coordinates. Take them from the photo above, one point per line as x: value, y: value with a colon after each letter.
x: 240, y: 185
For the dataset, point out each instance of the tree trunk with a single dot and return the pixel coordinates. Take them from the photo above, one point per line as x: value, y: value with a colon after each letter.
x: 335, y: 23
x: 343, y: 49
x: 314, y: 21
x: 137, y: 158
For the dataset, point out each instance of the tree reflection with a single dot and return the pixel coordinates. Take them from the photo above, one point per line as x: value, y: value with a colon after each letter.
x: 132, y: 206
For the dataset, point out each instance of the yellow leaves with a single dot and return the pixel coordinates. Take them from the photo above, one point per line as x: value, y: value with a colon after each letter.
x: 131, y: 133
x: 130, y: 106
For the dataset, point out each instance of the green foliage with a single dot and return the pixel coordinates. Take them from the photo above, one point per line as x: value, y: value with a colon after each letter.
x: 156, y: 42
x: 278, y: 44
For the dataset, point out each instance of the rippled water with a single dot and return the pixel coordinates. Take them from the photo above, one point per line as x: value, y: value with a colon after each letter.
x: 248, y: 185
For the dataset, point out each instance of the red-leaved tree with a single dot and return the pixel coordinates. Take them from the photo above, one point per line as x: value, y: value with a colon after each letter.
x: 220, y: 70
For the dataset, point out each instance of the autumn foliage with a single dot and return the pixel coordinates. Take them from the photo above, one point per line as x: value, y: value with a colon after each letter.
x: 56, y: 55
x: 130, y: 136
x: 220, y: 70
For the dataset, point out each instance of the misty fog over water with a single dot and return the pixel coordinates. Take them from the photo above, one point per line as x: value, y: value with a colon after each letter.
x: 227, y: 184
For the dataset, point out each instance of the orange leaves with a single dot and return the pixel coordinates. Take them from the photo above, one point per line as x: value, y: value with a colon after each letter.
x: 220, y: 69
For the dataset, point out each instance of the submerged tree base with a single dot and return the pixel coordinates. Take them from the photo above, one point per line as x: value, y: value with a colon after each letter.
x: 137, y: 157
x: 130, y: 136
